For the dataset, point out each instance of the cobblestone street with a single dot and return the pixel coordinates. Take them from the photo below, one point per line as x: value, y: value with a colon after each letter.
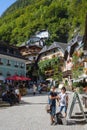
x: 31, y: 115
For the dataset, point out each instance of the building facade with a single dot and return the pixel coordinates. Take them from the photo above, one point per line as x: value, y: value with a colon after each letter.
x: 57, y: 49
x: 54, y: 51
x: 30, y: 50
x: 11, y: 61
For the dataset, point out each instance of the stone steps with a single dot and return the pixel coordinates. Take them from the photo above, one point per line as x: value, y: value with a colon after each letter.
x: 78, y: 118
x: 80, y: 113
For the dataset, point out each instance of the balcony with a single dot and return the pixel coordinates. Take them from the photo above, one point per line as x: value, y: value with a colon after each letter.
x: 67, y: 73
x: 49, y: 72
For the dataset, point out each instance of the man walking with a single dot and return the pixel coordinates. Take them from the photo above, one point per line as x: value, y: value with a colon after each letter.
x: 52, y: 102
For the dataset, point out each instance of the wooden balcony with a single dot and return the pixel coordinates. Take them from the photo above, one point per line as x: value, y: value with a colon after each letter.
x: 67, y: 73
x: 49, y: 72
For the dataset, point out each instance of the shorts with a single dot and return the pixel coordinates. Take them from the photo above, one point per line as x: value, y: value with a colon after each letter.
x: 53, y: 110
x: 63, y: 107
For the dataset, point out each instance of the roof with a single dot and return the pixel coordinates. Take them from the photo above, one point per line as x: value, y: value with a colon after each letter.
x: 53, y: 46
x: 62, y: 45
x: 77, y: 41
x: 33, y: 39
x: 10, y: 50
x: 23, y: 44
x: 30, y: 45
x: 31, y: 42
x: 77, y: 38
x: 44, y: 49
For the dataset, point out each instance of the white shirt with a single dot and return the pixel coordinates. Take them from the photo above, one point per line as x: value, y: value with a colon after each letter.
x: 17, y: 91
x: 63, y: 99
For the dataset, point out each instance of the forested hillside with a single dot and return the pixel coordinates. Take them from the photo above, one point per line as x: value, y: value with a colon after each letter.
x: 62, y: 18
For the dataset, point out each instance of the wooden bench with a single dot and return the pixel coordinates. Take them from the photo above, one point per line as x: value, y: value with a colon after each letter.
x: 85, y: 100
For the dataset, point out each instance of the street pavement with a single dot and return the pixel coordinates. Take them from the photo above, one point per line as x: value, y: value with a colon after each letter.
x: 30, y: 114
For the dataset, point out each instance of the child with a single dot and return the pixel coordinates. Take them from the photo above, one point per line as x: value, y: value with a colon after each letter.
x: 63, y: 101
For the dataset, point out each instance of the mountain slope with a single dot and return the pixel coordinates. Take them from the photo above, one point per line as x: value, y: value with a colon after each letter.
x: 61, y: 18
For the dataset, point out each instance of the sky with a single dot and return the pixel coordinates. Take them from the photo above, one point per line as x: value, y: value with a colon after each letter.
x: 4, y: 4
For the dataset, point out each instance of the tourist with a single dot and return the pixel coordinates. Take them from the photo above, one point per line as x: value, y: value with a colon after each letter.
x: 40, y: 88
x: 52, y: 102
x: 63, y: 101
x: 34, y: 89
x: 17, y: 92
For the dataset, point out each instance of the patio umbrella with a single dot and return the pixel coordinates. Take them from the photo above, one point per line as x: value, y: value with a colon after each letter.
x: 14, y: 77
x: 25, y: 78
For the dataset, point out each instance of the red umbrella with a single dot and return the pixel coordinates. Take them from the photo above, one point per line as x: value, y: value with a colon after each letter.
x: 14, y: 77
x: 25, y: 78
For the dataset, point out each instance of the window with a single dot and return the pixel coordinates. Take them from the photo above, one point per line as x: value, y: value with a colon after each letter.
x: 1, y: 61
x: 16, y: 64
x: 54, y: 51
x: 0, y: 73
x: 8, y: 73
x: 22, y: 65
x: 8, y: 63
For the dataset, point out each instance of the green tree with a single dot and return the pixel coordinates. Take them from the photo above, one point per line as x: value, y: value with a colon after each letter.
x: 53, y: 64
x: 63, y: 19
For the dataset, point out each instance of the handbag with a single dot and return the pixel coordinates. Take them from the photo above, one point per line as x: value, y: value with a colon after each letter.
x: 48, y: 108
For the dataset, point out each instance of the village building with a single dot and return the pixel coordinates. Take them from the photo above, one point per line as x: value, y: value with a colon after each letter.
x: 30, y: 50
x: 56, y: 50
x: 85, y: 50
x: 43, y: 34
x: 74, y: 46
x: 11, y: 61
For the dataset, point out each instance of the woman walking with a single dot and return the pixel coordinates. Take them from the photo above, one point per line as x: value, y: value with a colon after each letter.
x: 63, y: 101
